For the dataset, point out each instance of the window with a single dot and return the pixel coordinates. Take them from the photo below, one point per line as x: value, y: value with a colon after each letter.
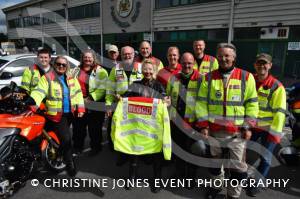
x: 15, y: 23
x: 169, y: 3
x: 60, y: 15
x: 17, y: 67
x: 246, y: 33
x: 48, y: 17
x: 55, y: 16
x: 85, y: 11
x: 162, y: 3
x: 31, y: 20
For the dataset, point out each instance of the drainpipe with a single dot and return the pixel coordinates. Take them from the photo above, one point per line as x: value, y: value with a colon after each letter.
x: 230, y: 29
x: 66, y: 28
x: 101, y: 32
x: 42, y: 25
x: 151, y: 22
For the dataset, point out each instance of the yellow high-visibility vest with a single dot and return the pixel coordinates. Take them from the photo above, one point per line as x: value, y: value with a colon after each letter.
x: 227, y: 108
x: 141, y: 126
x: 208, y: 64
x: 50, y: 88
x: 272, y: 107
x: 118, y: 81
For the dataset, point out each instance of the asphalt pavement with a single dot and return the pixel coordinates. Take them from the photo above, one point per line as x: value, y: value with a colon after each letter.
x: 99, y: 177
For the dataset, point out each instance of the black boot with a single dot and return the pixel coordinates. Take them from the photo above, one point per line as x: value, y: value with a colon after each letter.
x: 212, y: 193
x: 155, y: 188
x: 132, y: 174
x: 71, y: 168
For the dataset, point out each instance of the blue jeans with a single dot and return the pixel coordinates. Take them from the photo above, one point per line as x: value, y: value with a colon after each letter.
x: 265, y: 158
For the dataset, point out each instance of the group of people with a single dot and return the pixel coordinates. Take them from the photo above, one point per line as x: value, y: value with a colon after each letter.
x: 206, y: 96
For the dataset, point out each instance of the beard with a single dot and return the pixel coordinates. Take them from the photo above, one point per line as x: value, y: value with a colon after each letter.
x: 128, y: 62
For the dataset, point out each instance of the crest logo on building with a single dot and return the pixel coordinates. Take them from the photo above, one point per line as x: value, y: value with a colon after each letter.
x: 124, y: 7
x: 125, y: 12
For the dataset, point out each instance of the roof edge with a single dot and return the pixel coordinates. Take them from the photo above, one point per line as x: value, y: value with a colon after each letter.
x: 20, y: 5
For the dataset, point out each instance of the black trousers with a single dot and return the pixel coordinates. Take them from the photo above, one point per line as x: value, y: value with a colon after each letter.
x: 62, y: 130
x: 183, y: 169
x: 156, y: 160
x: 108, y: 130
x: 94, y: 121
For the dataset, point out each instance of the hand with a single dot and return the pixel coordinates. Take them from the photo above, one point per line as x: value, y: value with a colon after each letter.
x: 118, y: 97
x: 246, y: 134
x: 108, y: 113
x: 204, y: 133
x: 80, y: 114
x: 87, y: 99
x: 167, y: 100
x: 27, y: 113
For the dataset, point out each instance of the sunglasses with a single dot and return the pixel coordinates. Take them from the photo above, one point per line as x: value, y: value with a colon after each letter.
x: 61, y: 64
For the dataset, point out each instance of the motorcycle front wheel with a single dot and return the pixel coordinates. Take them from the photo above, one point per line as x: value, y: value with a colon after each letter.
x: 53, y: 159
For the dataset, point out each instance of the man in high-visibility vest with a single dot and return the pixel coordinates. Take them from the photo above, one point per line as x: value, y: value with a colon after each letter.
x: 33, y: 74
x: 120, y: 77
x: 183, y: 88
x: 226, y: 108
x: 271, y: 117
x: 123, y: 74
x: 146, y: 54
x: 203, y: 63
x: 112, y: 58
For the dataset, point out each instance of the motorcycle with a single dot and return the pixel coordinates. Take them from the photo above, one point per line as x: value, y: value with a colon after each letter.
x: 24, y: 143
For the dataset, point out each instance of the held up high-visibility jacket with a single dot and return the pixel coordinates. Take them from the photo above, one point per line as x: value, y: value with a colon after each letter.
x: 30, y: 78
x: 209, y: 64
x: 175, y: 89
x: 227, y: 108
x: 141, y: 126
x: 50, y: 88
x: 272, y: 108
x: 118, y: 81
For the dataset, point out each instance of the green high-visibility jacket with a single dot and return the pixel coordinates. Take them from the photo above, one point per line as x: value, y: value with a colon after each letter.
x: 118, y: 81
x: 50, y: 88
x: 30, y: 78
x: 226, y: 108
x: 175, y: 89
x: 272, y: 108
x: 141, y: 126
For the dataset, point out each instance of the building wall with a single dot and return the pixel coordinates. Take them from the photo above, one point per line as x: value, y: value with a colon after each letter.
x: 212, y: 15
x: 197, y: 16
x: 87, y: 26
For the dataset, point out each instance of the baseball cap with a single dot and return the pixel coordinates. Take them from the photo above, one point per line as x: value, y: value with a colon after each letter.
x: 113, y: 48
x: 264, y: 57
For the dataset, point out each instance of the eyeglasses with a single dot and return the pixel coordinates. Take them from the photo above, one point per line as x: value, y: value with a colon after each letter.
x: 61, y: 64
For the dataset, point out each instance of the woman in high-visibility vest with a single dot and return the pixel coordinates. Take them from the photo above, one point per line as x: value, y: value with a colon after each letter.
x: 64, y: 99
x: 92, y: 79
x: 147, y: 87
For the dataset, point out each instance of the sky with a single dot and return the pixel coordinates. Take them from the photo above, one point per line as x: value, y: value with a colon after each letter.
x: 3, y: 4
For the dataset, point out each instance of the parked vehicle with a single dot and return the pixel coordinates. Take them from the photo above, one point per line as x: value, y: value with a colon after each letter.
x: 13, y: 66
x: 23, y: 142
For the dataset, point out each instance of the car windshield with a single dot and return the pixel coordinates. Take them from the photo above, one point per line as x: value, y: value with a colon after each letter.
x: 2, y: 62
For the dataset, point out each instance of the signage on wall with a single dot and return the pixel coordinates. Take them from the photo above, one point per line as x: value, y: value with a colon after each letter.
x: 125, y: 12
x: 294, y: 46
x: 274, y: 33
